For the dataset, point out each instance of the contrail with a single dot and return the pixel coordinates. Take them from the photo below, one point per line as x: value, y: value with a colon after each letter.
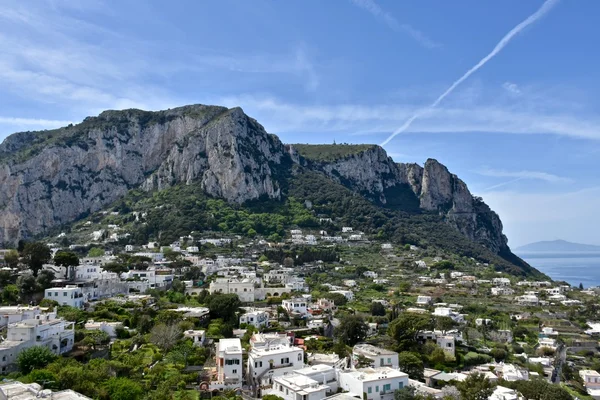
x: 503, y: 184
x: 548, y: 4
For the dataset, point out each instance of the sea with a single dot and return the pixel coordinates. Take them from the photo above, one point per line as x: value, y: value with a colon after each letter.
x: 574, y: 268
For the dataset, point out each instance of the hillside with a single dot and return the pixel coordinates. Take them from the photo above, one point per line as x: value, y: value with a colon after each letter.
x: 209, y: 154
x: 557, y: 246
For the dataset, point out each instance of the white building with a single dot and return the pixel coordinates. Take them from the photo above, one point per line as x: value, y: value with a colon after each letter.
x: 229, y: 365
x: 55, y: 334
x: 591, y: 381
x: 373, y: 383
x: 244, y: 288
x: 156, y: 278
x: 370, y: 274
x: 110, y: 328
x: 295, y: 387
x: 298, y: 306
x: 423, y: 300
x: 501, y: 281
x: 14, y: 314
x: 32, y: 391
x: 502, y: 291
x: 448, y: 312
x: 446, y: 343
x: 347, y: 294
x: 198, y: 336
x: 511, y: 372
x: 326, y: 375
x: 70, y: 295
x: 256, y: 318
x: 379, y: 357
x: 270, y: 356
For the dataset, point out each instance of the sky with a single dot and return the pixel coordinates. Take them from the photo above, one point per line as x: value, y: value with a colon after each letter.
x: 516, y: 117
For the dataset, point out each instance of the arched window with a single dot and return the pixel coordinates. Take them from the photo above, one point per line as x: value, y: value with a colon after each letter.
x: 299, y: 356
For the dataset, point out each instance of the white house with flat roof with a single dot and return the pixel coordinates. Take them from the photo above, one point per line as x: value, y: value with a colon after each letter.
x: 14, y: 314
x: 423, y: 300
x: 256, y: 318
x: 326, y: 375
x: 55, y: 334
x: 69, y: 295
x: 271, y: 355
x: 229, y: 365
x: 373, y: 383
x: 297, y: 305
x: 15, y: 390
x: 346, y: 293
x: 297, y: 387
x: 110, y: 328
x: 379, y: 357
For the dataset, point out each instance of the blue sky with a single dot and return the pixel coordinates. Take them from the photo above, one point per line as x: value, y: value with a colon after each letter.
x: 522, y: 130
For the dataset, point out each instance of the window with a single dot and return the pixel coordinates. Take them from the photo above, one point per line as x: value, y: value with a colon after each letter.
x: 387, y: 388
x: 377, y: 388
x: 234, y: 371
x: 64, y: 293
x: 449, y: 345
x: 49, y: 294
x: 56, y: 294
x: 389, y: 360
x: 400, y: 385
x: 369, y: 390
x: 381, y: 362
x: 299, y: 357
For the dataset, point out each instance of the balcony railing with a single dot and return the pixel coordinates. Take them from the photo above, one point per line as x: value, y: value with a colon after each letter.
x: 280, y: 366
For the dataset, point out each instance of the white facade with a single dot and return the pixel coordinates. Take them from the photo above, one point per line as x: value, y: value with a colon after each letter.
x: 270, y: 356
x: 30, y: 391
x: 447, y: 344
x: 423, y: 300
x: 297, y: 305
x: 448, y: 312
x: 502, y: 291
x: 380, y: 357
x: 243, y: 288
x: 110, y: 328
x: 297, y: 387
x: 69, y: 296
x: 198, y: 336
x: 156, y: 278
x: 14, y: 314
x: 258, y: 319
x: 373, y: 383
x: 347, y: 294
x: 229, y: 364
x: 501, y: 281
x: 55, y: 334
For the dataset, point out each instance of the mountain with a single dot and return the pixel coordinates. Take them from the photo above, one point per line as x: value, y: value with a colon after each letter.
x: 52, y: 178
x: 557, y: 246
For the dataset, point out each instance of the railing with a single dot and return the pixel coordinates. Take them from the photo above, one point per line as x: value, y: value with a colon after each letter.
x: 280, y: 366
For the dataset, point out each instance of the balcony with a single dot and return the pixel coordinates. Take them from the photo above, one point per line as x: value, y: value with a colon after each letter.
x: 280, y: 366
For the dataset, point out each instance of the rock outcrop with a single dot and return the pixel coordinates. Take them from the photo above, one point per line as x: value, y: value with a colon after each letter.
x: 410, y: 187
x: 54, y: 177
x: 83, y: 168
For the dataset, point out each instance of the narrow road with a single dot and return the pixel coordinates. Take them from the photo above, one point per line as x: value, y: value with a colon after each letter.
x: 561, y: 359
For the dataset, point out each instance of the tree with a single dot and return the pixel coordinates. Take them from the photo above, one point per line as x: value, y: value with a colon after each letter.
x: 178, y: 286
x: 11, y: 259
x: 45, y: 278
x: 377, y: 309
x: 475, y: 387
x: 405, y: 328
x: 288, y: 262
x: 165, y: 336
x: 27, y: 285
x: 338, y: 298
x: 34, y: 357
x: 444, y: 323
x: 96, y: 252
x: 411, y: 364
x: 10, y: 294
x: 66, y: 259
x: 181, y: 352
x: 35, y: 255
x: 352, y: 330
x: 406, y: 393
x: 124, y: 389
x: 580, y: 286
x: 404, y: 287
x: 116, y: 267
x: 224, y: 306
x: 96, y: 338
x: 271, y: 397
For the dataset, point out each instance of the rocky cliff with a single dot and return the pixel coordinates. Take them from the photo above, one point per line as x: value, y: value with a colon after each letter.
x: 54, y: 177
x: 80, y: 169
x: 410, y: 187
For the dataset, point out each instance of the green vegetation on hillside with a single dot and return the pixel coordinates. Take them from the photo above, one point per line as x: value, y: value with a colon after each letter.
x: 330, y: 152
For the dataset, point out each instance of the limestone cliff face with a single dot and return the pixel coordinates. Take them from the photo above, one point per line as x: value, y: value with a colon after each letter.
x: 88, y: 166
x: 409, y: 186
x: 54, y: 177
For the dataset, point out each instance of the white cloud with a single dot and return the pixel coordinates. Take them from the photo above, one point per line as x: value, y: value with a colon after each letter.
x: 372, y: 7
x: 44, y: 123
x: 536, y: 175
x: 355, y: 119
x: 511, y: 87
